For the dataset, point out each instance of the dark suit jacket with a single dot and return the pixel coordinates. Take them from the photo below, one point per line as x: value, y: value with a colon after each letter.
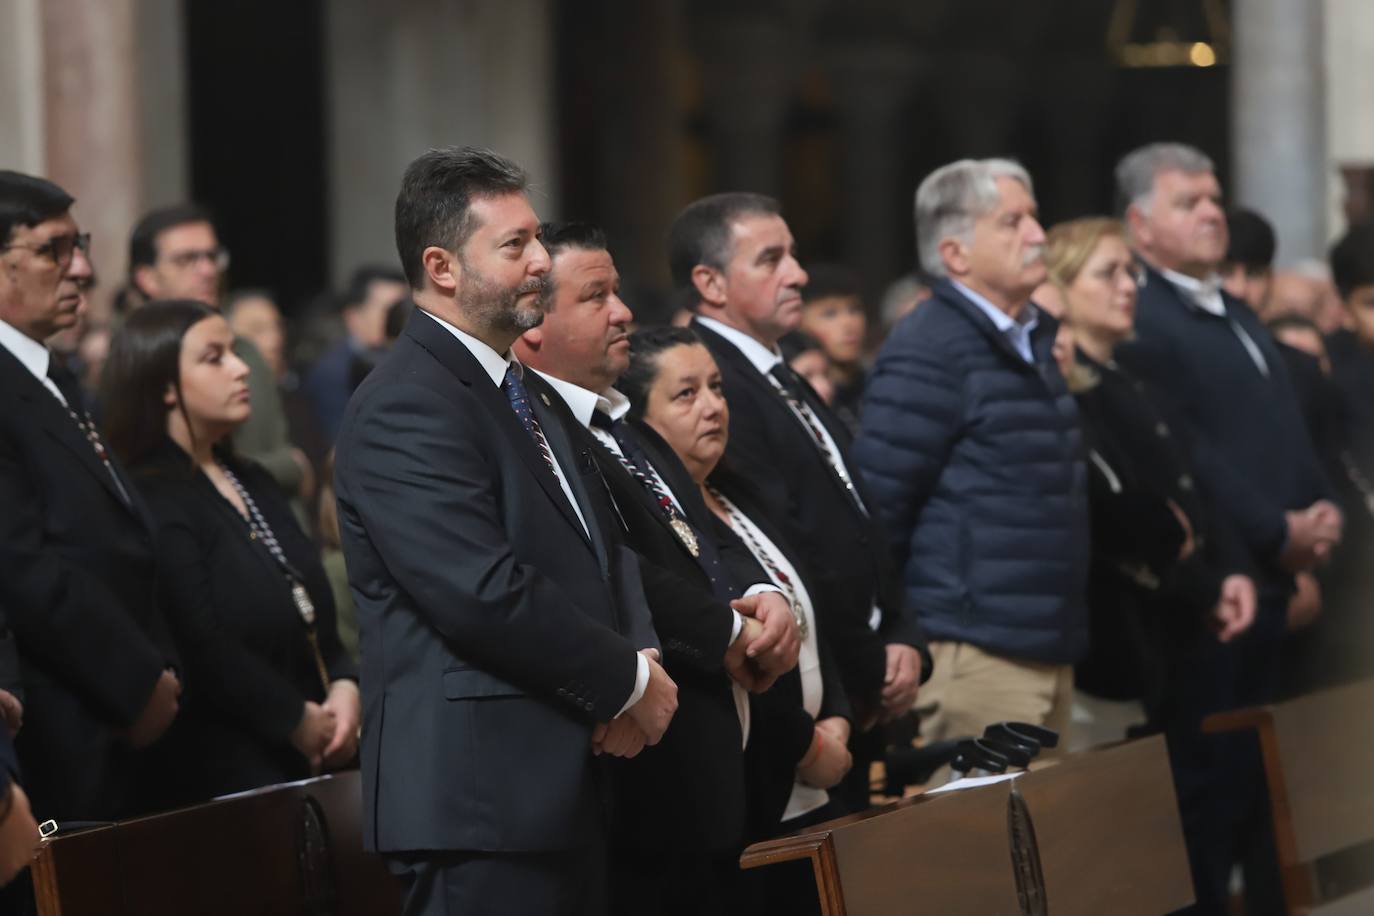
x: 1250, y: 446
x: 78, y: 587
x: 843, y: 550
x: 491, y: 624
x: 700, y: 755
x: 249, y: 667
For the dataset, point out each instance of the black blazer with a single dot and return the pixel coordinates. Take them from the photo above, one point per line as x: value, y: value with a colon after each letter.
x: 78, y: 587
x: 491, y: 624
x: 780, y: 729
x: 1144, y: 602
x: 700, y: 756
x: 1249, y: 444
x: 249, y: 667
x: 844, y: 551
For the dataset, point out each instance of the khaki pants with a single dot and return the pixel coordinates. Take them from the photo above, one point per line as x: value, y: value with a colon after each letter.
x: 970, y: 689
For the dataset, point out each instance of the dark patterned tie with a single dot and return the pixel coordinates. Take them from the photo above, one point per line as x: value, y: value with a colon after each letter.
x: 66, y: 383
x: 789, y: 386
x: 514, y: 387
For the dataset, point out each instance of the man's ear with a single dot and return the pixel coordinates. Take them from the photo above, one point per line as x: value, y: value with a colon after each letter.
x: 954, y: 253
x: 145, y: 281
x: 442, y: 268
x: 710, y: 285
x: 1138, y: 226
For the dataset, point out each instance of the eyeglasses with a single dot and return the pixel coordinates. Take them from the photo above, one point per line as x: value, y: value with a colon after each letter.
x: 60, y: 248
x: 184, y: 260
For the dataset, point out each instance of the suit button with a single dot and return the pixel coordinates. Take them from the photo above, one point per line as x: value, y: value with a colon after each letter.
x: 1161, y: 430
x: 562, y: 692
x: 589, y: 706
x: 1185, y: 482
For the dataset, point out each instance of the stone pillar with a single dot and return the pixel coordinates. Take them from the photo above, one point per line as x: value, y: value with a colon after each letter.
x: 1350, y: 109
x: 748, y: 56
x: 410, y: 76
x: 872, y: 79
x: 1278, y: 102
x: 91, y: 96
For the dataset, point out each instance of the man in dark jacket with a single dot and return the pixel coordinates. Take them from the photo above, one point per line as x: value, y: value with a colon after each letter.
x: 971, y: 448
x: 1208, y: 353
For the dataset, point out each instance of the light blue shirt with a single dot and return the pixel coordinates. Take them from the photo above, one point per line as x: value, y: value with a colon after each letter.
x: 1017, y: 333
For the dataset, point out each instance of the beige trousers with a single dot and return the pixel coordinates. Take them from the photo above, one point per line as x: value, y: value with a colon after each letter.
x: 970, y: 689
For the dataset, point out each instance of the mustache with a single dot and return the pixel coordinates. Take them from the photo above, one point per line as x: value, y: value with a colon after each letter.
x: 1034, y: 254
x: 538, y: 284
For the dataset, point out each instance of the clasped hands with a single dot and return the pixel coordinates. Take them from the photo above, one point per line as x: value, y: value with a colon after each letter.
x: 643, y: 723
x: 1312, y: 532
x: 767, y: 646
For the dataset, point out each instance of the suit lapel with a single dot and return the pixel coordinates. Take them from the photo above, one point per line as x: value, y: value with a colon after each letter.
x: 455, y: 357
x: 573, y: 461
x: 39, y: 403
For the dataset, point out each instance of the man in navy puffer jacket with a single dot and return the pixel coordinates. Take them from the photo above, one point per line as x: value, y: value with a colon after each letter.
x: 971, y: 447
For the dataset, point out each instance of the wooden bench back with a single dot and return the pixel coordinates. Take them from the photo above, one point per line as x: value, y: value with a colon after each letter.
x: 293, y: 849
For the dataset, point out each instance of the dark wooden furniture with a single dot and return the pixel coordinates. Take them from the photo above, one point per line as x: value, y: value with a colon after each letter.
x: 1318, y: 754
x: 294, y: 849
x: 1106, y: 839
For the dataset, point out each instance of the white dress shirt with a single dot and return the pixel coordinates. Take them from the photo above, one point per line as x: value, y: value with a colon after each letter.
x: 1018, y: 333
x: 32, y: 355
x: 1206, y: 295
x: 495, y: 365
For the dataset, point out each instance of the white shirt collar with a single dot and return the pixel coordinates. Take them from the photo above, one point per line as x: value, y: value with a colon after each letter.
x: 492, y: 362
x: 33, y: 355
x: 1205, y: 293
x: 1000, y: 319
x: 584, y: 403
x: 763, y: 358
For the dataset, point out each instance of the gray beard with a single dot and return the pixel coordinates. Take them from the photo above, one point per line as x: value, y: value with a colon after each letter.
x: 499, y: 308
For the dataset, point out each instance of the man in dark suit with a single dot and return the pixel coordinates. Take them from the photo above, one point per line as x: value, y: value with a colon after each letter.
x: 501, y: 622
x: 683, y: 862
x: 1207, y: 352
x: 77, y: 576
x: 737, y: 256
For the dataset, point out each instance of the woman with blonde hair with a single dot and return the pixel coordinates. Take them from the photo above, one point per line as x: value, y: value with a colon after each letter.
x: 1159, y: 575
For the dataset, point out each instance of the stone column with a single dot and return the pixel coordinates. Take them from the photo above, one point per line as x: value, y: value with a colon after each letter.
x: 410, y: 76
x: 872, y: 79
x: 1350, y: 108
x: 748, y: 56
x: 1278, y: 101
x: 22, y: 121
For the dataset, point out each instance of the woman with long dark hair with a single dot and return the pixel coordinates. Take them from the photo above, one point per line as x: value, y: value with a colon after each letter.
x: 270, y: 695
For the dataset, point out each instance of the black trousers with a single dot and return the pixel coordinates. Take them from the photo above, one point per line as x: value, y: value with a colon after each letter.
x: 569, y: 882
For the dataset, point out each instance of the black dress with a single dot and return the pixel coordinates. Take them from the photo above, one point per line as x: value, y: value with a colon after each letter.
x: 249, y: 665
x: 1144, y: 601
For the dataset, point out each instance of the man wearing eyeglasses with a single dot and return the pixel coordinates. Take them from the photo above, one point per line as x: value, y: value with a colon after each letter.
x: 175, y: 253
x: 77, y: 575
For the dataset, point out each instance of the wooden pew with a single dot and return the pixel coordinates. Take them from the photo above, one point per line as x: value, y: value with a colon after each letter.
x: 1318, y: 754
x: 1106, y: 833
x: 293, y: 849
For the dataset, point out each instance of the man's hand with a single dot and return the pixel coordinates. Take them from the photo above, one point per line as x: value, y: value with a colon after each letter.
x: 836, y: 727
x: 1312, y: 532
x: 12, y: 711
x: 157, y: 716
x: 737, y: 663
x: 775, y: 652
x: 826, y: 761
x: 19, y: 838
x: 655, y: 709
x: 620, y: 737
x: 343, y: 701
x: 313, y: 733
x: 1235, y: 609
x: 902, y: 681
x: 1306, y: 604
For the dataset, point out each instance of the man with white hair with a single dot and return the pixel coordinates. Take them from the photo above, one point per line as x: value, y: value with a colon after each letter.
x: 1234, y: 401
x: 971, y: 447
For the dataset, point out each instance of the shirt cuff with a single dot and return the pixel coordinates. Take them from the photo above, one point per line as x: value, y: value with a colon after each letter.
x: 641, y: 682
x: 736, y: 628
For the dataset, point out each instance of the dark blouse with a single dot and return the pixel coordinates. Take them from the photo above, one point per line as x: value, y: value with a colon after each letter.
x: 1143, y: 599
x: 249, y: 666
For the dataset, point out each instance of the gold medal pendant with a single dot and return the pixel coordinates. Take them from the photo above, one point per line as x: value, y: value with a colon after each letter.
x: 687, y: 536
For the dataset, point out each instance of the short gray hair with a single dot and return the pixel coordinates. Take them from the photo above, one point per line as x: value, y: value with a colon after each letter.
x: 951, y: 199
x: 1136, y: 172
